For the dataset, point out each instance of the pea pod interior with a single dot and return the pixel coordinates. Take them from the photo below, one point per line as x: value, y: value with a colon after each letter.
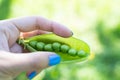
x: 72, y: 42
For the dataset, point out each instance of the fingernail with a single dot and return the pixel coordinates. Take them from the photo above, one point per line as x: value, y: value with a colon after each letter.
x: 54, y: 59
x: 32, y: 75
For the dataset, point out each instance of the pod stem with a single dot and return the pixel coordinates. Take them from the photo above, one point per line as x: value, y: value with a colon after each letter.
x: 30, y: 48
x: 21, y: 41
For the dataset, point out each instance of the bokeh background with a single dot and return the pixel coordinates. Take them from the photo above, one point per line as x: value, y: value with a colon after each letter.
x: 97, y: 22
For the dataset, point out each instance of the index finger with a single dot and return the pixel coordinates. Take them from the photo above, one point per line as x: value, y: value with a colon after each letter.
x: 31, y: 23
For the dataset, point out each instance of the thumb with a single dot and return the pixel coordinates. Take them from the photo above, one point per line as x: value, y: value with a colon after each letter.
x: 36, y: 61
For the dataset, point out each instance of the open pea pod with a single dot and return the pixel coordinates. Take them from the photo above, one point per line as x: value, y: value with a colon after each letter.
x: 70, y: 49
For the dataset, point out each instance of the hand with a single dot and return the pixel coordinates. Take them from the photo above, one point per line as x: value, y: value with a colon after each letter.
x: 12, y: 59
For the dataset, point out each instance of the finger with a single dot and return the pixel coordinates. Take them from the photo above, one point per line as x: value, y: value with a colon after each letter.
x: 37, y: 61
x: 33, y: 33
x: 16, y: 48
x: 26, y: 24
x: 3, y: 42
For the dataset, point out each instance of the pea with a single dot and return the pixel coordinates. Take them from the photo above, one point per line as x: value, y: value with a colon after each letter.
x: 33, y: 43
x: 81, y: 53
x: 65, y: 48
x: 48, y: 47
x: 56, y: 46
x: 72, y: 52
x: 40, y: 46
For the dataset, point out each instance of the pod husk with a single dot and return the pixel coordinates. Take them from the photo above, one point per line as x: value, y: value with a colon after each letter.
x: 71, y: 41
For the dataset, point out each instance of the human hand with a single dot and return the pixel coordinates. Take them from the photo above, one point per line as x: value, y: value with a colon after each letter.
x: 13, y: 60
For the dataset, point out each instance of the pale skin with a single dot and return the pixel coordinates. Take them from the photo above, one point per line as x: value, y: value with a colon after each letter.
x: 13, y: 60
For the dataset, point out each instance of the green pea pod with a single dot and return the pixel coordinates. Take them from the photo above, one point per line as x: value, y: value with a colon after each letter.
x: 66, y: 55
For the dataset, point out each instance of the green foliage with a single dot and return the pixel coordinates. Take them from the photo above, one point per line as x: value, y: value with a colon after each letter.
x: 4, y: 9
x: 116, y: 32
x: 106, y: 61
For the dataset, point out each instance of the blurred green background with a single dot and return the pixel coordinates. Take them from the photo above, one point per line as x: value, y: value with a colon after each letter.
x: 97, y: 22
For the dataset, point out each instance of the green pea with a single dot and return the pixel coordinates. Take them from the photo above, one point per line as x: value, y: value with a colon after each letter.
x: 65, y: 48
x: 40, y: 46
x: 48, y: 47
x: 72, y: 52
x: 81, y: 53
x: 33, y: 43
x: 56, y: 46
